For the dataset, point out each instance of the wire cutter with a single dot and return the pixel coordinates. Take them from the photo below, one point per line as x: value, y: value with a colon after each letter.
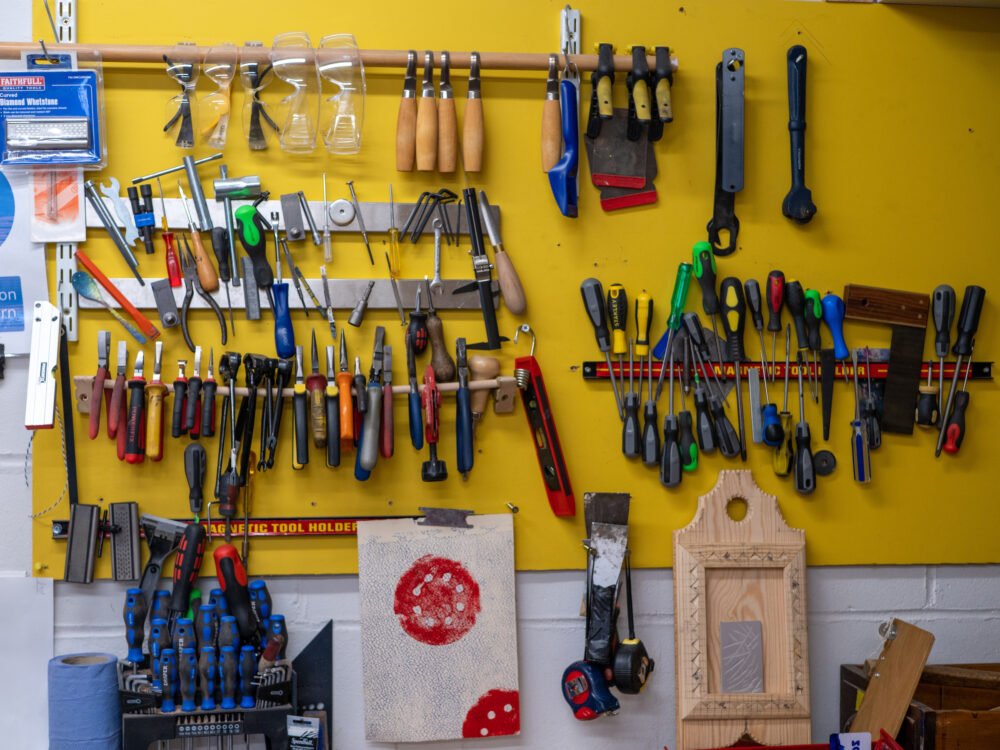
x: 192, y: 284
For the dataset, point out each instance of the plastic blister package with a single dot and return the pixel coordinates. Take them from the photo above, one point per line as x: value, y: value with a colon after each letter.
x: 256, y: 74
x: 342, y: 115
x: 181, y: 111
x: 52, y: 112
x: 294, y: 62
x: 219, y: 67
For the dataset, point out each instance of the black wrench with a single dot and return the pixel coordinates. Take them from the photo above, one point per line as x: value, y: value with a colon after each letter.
x: 728, y: 149
x: 798, y: 205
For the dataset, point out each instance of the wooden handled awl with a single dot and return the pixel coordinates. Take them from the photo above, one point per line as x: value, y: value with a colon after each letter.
x: 551, y: 124
x: 406, y: 120
x: 447, y: 120
x: 427, y: 119
x: 510, y: 282
x: 472, y: 128
x: 481, y: 367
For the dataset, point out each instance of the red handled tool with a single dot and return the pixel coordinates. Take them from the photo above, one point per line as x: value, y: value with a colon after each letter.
x: 233, y: 580
x: 187, y: 563
x: 135, y: 431
x: 97, y: 394
x: 528, y: 376
x: 116, y: 407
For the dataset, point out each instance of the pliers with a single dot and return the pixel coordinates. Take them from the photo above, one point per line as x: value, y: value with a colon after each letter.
x: 192, y: 284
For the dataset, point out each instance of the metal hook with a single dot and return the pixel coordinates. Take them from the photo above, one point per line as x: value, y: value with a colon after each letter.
x: 526, y: 329
x: 52, y: 23
x: 50, y: 58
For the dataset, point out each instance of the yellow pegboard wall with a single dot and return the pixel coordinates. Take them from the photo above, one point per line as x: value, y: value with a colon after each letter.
x: 901, y: 150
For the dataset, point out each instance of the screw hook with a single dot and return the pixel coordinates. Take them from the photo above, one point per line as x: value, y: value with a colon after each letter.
x: 526, y: 329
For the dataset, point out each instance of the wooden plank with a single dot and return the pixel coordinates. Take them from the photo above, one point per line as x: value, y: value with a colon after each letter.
x: 737, y: 571
x: 892, y: 685
x: 877, y: 305
x: 983, y: 677
x: 967, y: 730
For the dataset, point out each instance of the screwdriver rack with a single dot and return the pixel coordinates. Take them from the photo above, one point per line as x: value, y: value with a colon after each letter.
x: 504, y: 386
x: 595, y: 370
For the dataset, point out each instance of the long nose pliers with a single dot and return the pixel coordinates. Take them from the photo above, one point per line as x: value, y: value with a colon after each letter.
x: 191, y: 285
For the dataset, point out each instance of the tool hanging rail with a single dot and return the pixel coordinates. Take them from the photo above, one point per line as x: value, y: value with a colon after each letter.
x: 372, y: 58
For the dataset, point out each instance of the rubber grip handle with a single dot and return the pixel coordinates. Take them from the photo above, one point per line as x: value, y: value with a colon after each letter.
x: 300, y: 412
x: 689, y: 449
x: 346, y: 411
x: 968, y: 319
x: 187, y: 563
x: 472, y: 135
x: 96, y: 400
x: 510, y: 283
x: 368, y: 451
x: 447, y: 148
x: 195, y: 460
x: 463, y: 428
x: 168, y: 667
x: 650, y: 435
x: 775, y: 291
x: 117, y: 404
x: 187, y: 668
x: 316, y: 389
x: 416, y: 421
x: 180, y: 405
x: 135, y: 442
x: 733, y: 308
x: 805, y: 475
x: 206, y: 271
x: 193, y: 403
x: 233, y: 580
x: 134, y: 613
x: 670, y: 465
x: 220, y: 247
x: 704, y: 271
x: 360, y: 473
x: 551, y: 134
x: 703, y: 422
x: 227, y: 672
x: 173, y: 265
x: 631, y: 431
x: 943, y: 313
x: 387, y: 439
x: 795, y: 300
x: 208, y: 389
x: 833, y: 316
x: 955, y: 431
x: 154, y: 421
x: 427, y: 134
x: 406, y: 134
x: 284, y: 336
x: 248, y: 668
x: 332, y: 428
x: 121, y: 433
x: 208, y: 669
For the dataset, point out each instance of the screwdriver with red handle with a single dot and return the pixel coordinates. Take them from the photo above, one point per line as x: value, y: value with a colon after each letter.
x: 233, y: 580
x: 954, y: 433
x: 135, y: 434
x: 116, y: 408
x: 187, y: 563
x: 775, y: 293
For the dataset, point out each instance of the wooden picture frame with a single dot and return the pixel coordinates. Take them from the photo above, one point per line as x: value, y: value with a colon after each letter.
x: 729, y: 570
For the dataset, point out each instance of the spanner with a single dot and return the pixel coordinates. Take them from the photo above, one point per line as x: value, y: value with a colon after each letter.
x: 436, y: 283
x: 112, y: 191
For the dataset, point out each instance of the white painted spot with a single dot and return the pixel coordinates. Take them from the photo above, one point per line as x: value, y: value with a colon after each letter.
x: 446, y: 577
x: 416, y: 591
x: 507, y: 708
x: 447, y: 621
x: 460, y: 588
x: 491, y: 715
x: 429, y: 622
x: 416, y: 609
x: 460, y: 606
x: 483, y: 732
x: 428, y: 578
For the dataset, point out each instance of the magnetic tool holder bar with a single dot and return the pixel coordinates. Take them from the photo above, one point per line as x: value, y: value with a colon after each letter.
x: 594, y: 370
x: 505, y: 385
x: 372, y: 58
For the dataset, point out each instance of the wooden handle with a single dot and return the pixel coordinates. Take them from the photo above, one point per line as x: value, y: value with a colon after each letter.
x: 406, y: 134
x: 427, y: 134
x: 441, y: 361
x: 206, y: 271
x: 551, y: 134
x: 317, y: 416
x: 154, y: 421
x: 481, y: 366
x: 96, y: 398
x: 472, y: 135
x: 447, y: 136
x: 510, y: 283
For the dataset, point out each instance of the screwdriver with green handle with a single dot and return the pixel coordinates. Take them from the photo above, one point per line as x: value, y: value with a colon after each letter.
x: 814, y: 314
x: 650, y: 427
x: 677, y: 302
x: 251, y: 228
x: 593, y: 302
x: 704, y: 271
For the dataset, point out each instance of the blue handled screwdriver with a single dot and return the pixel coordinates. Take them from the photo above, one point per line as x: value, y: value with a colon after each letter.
x: 463, y: 411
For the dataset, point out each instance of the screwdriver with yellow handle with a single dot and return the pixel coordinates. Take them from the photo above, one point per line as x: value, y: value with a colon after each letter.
x: 206, y: 271
x: 618, y: 314
x: 155, y: 390
x: 316, y: 388
x: 393, y: 239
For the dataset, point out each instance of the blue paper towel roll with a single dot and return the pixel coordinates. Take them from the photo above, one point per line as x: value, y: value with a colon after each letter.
x: 84, y: 713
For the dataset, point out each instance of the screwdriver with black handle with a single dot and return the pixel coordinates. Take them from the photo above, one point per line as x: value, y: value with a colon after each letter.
x: 694, y: 331
x: 724, y: 432
x: 650, y: 427
x: 670, y: 465
x: 192, y: 416
x: 955, y: 429
x: 463, y: 412
x: 195, y: 461
x: 208, y: 389
x: 593, y: 302
x: 781, y: 459
x: 316, y: 389
x: 860, y: 457
x: 135, y: 434
x: 368, y: 450
x: 968, y: 322
x: 704, y: 271
x: 387, y: 437
x: 631, y: 434
x: 704, y: 429
x: 943, y: 313
x: 813, y: 314
x: 805, y: 475
x: 300, y: 412
x: 733, y: 313
x: 689, y: 449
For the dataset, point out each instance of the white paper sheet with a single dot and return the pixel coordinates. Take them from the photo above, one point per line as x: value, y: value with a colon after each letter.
x: 438, y: 630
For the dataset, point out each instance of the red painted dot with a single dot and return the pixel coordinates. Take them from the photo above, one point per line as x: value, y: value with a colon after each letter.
x: 495, y: 714
x: 437, y: 600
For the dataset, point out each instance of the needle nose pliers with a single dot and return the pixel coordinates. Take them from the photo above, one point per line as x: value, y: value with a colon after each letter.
x: 192, y: 284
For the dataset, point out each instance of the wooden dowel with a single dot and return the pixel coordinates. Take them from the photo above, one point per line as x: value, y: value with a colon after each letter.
x: 372, y: 58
